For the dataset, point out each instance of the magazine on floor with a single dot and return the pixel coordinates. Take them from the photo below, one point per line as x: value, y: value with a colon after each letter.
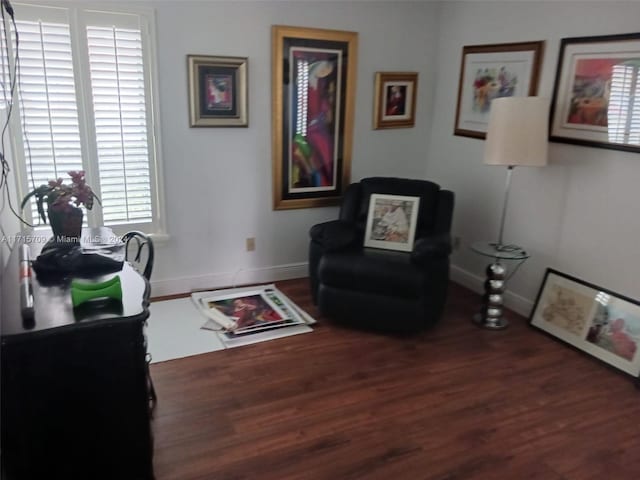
x: 238, y: 312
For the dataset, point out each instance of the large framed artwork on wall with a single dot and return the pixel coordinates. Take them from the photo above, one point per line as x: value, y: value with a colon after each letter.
x: 596, y: 98
x: 492, y: 71
x: 314, y: 82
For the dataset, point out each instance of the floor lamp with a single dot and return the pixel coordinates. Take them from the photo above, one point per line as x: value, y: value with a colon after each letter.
x: 516, y: 136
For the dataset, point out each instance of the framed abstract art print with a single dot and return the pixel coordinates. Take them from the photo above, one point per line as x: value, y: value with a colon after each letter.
x: 596, y: 98
x: 314, y: 83
x: 492, y: 71
x: 217, y: 91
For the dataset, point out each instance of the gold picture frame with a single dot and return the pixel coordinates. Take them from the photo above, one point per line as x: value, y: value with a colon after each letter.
x: 314, y: 88
x: 217, y: 91
x: 395, y: 100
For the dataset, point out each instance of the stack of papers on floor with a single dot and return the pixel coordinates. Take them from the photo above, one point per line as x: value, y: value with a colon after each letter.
x: 251, y: 314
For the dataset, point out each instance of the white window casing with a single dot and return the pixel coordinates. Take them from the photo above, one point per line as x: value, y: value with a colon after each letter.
x: 87, y: 101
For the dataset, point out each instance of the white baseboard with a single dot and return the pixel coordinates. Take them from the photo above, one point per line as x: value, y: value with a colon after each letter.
x: 241, y: 276
x: 173, y: 286
x: 515, y: 302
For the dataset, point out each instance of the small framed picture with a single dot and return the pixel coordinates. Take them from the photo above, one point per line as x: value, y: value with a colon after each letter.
x: 595, y: 97
x: 591, y: 318
x: 391, y: 222
x: 395, y: 100
x: 217, y: 91
x: 492, y: 71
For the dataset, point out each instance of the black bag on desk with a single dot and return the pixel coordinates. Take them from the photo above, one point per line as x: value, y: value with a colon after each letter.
x: 57, y: 262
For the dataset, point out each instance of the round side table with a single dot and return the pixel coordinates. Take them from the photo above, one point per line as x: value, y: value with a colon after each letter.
x: 490, y: 315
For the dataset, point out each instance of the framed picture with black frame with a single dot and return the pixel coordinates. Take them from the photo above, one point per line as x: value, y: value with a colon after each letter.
x: 590, y: 318
x: 596, y: 99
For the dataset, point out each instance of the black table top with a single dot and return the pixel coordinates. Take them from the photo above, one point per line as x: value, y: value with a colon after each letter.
x: 52, y: 304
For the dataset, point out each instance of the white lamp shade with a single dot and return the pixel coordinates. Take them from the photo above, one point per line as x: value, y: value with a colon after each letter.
x: 518, y: 132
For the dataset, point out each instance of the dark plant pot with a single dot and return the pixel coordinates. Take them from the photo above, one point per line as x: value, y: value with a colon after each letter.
x: 66, y: 224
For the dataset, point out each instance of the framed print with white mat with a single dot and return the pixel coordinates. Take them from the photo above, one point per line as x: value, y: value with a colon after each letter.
x: 591, y: 318
x: 391, y: 222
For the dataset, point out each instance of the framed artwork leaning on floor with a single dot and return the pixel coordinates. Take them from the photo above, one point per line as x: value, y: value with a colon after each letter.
x: 591, y: 318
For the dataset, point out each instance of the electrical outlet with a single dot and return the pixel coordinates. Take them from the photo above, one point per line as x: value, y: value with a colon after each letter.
x: 251, y: 244
x: 456, y: 243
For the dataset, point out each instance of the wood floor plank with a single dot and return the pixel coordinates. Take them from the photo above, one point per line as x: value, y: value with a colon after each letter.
x: 452, y: 403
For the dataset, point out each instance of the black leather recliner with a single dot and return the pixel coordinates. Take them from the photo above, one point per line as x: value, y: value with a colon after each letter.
x: 383, y: 289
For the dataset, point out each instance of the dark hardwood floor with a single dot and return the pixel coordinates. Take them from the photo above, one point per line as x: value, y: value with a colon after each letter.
x: 453, y: 403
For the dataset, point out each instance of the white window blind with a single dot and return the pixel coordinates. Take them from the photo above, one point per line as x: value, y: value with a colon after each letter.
x: 47, y: 103
x: 118, y: 89
x: 635, y: 123
x: 303, y: 100
x: 84, y: 100
x: 624, y: 104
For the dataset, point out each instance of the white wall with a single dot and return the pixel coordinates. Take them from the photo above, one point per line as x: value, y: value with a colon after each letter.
x: 580, y: 213
x: 218, y: 180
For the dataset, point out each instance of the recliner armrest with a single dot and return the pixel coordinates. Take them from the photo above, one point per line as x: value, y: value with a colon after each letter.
x: 432, y: 246
x: 334, y: 235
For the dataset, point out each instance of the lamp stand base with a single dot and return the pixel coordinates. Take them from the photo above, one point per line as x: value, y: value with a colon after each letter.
x: 493, y: 324
x: 490, y: 315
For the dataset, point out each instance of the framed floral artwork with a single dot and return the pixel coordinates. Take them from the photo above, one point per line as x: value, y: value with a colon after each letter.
x: 217, y: 91
x: 593, y: 319
x: 391, y: 222
x: 395, y: 100
x: 492, y: 71
x: 595, y: 97
x: 314, y: 84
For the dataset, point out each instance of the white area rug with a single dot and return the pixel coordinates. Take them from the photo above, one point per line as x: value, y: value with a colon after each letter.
x: 174, y: 330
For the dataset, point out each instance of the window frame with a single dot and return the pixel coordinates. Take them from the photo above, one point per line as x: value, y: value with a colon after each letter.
x: 79, y: 17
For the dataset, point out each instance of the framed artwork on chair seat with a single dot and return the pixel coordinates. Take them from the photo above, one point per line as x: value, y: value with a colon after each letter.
x: 391, y: 222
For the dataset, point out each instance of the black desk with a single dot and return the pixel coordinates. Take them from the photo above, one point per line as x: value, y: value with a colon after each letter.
x: 75, y: 400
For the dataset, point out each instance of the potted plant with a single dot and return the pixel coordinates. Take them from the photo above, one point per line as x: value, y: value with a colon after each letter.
x: 63, y: 205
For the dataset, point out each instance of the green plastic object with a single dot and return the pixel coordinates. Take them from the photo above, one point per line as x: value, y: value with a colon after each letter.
x: 83, y: 292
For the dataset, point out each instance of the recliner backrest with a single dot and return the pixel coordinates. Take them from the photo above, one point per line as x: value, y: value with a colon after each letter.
x: 426, y: 190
